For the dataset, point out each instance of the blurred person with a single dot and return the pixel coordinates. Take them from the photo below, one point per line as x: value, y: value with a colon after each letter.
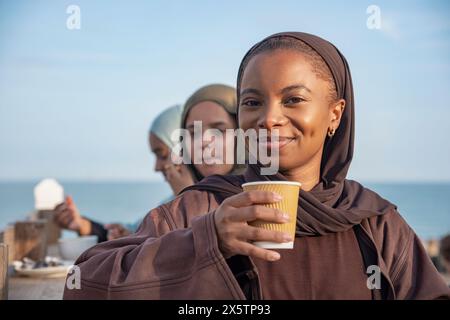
x: 444, y: 252
x: 432, y: 247
x: 67, y: 215
x: 215, y: 107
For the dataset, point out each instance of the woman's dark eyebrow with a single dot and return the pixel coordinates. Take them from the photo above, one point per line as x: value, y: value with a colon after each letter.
x: 218, y: 123
x: 284, y: 90
x: 295, y: 87
x: 251, y: 90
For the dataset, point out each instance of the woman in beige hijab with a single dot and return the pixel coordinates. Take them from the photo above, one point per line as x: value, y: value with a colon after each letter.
x: 215, y: 107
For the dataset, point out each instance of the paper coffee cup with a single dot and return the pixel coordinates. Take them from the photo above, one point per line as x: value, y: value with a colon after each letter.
x: 289, y: 191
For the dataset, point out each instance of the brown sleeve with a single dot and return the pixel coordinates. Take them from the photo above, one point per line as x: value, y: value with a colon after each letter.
x: 411, y: 271
x: 158, y: 262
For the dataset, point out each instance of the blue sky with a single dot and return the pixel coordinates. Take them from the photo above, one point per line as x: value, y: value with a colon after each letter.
x: 76, y: 104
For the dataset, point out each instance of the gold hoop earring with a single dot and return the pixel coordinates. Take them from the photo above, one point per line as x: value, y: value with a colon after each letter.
x: 331, y: 132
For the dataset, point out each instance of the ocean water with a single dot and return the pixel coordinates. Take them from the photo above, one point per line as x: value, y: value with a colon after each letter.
x: 426, y: 207
x: 105, y: 202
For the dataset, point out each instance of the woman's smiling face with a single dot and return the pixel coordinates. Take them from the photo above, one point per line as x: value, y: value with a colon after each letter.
x: 212, y: 116
x: 280, y: 90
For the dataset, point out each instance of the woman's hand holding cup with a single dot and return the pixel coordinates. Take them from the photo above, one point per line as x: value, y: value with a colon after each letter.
x: 235, y: 234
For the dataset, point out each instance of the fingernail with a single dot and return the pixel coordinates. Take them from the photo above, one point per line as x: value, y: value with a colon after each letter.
x: 277, y: 197
x: 285, y: 217
x: 274, y: 256
x: 287, y: 238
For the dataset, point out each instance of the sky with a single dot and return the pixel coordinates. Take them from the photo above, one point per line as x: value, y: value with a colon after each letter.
x: 76, y: 104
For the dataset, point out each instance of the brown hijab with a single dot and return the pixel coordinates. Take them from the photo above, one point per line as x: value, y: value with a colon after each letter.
x: 335, y: 204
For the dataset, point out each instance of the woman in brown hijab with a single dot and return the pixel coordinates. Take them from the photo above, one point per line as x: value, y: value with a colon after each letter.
x: 350, y: 243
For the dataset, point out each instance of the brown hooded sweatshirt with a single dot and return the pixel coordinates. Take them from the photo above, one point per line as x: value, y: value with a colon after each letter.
x: 345, y: 234
x: 175, y: 255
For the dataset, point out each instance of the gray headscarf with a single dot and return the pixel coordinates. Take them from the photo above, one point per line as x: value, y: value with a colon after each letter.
x: 165, y: 123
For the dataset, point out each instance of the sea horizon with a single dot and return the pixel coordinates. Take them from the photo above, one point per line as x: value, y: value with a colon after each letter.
x: 425, y: 205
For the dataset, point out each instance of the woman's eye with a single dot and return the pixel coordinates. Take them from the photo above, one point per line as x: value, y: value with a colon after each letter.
x: 250, y: 103
x: 162, y: 156
x: 294, y: 100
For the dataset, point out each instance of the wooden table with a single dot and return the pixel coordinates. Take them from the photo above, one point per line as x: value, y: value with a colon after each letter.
x: 30, y: 288
x: 25, y: 288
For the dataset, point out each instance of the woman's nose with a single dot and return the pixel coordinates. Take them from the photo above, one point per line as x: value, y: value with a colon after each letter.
x: 271, y: 116
x: 208, y: 137
x: 158, y: 166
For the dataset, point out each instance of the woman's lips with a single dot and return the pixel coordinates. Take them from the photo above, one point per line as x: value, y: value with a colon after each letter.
x: 281, y: 143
